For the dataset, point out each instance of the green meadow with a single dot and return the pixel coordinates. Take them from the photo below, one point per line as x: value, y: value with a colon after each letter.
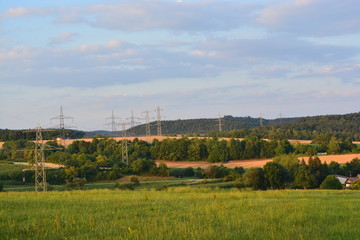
x: 180, y: 213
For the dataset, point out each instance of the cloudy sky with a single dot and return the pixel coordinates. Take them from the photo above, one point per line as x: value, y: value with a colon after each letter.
x: 194, y: 58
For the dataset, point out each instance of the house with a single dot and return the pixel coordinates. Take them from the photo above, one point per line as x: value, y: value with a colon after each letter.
x: 342, y: 179
x: 350, y: 180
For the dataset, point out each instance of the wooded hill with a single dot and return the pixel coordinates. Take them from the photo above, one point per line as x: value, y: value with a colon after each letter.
x: 340, y: 126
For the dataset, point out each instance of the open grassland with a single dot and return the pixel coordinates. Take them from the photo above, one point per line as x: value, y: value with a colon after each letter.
x: 8, y: 168
x: 180, y: 213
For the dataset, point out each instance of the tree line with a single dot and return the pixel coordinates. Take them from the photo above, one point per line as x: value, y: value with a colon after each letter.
x: 14, y: 135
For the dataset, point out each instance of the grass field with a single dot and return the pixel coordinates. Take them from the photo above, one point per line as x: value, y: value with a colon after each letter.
x: 180, y: 213
x: 8, y: 168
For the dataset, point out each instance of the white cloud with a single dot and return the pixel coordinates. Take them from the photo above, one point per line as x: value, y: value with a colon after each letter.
x: 62, y: 38
x: 311, y: 17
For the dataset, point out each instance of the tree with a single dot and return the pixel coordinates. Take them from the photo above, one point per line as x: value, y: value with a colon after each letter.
x: 135, y: 180
x: 214, y: 171
x: 353, y: 167
x: 163, y: 170
x: 304, y: 178
x: 334, y: 168
x: 236, y: 149
x: 275, y: 175
x: 142, y: 165
x: 331, y: 182
x: 333, y: 146
x: 254, y: 178
x: 356, y: 185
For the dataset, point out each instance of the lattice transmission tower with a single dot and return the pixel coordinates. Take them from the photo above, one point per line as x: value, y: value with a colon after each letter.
x: 220, y: 122
x: 61, y: 126
x: 147, y: 122
x: 133, y: 123
x: 124, y: 145
x: 158, y: 120
x: 261, y: 120
x: 40, y: 173
x: 113, y: 123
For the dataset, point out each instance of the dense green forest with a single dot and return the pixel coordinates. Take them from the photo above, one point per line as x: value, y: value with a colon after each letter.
x: 339, y: 126
x: 13, y: 135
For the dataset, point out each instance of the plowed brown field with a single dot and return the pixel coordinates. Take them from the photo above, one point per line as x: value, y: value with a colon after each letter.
x: 254, y: 162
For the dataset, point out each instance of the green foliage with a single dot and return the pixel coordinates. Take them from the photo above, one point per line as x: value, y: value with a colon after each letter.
x: 1, y: 187
x: 134, y: 180
x: 10, y: 171
x: 142, y: 165
x: 353, y: 166
x: 13, y: 135
x: 356, y: 185
x: 182, y: 172
x: 303, y: 178
x: 255, y: 178
x: 214, y: 171
x: 275, y: 175
x: 163, y: 170
x: 331, y: 182
x: 125, y: 186
x: 340, y: 126
x: 333, y: 146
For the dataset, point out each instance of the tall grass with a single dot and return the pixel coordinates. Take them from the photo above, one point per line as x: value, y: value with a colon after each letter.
x: 180, y: 213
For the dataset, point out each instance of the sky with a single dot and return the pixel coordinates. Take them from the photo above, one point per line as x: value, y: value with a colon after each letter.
x: 193, y: 58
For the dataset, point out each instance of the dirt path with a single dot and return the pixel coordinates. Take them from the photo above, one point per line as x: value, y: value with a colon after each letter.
x: 48, y: 165
x: 254, y: 162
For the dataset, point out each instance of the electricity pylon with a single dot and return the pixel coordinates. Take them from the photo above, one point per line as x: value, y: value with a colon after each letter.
x: 261, y: 120
x: 62, y: 125
x: 124, y: 148
x: 40, y: 173
x: 113, y: 123
x: 158, y: 120
x: 39, y: 159
x: 220, y: 122
x: 133, y: 122
x: 147, y: 122
x: 62, y: 119
x: 280, y: 119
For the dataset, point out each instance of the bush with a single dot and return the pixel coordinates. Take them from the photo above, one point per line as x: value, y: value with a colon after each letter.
x: 135, y: 180
x: 255, y: 178
x: 356, y: 185
x: 214, y: 171
x: 182, y: 172
x: 331, y: 182
x: 125, y: 186
x: 1, y: 187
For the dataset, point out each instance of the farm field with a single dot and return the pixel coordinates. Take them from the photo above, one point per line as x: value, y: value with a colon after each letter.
x: 343, y: 158
x: 180, y: 213
x: 160, y: 138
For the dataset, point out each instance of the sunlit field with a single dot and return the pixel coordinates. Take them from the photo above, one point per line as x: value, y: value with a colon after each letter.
x: 180, y: 213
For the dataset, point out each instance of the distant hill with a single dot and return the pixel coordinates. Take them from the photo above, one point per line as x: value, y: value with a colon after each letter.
x: 341, y: 126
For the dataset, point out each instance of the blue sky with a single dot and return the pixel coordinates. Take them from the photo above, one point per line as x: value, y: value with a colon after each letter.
x: 193, y: 58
